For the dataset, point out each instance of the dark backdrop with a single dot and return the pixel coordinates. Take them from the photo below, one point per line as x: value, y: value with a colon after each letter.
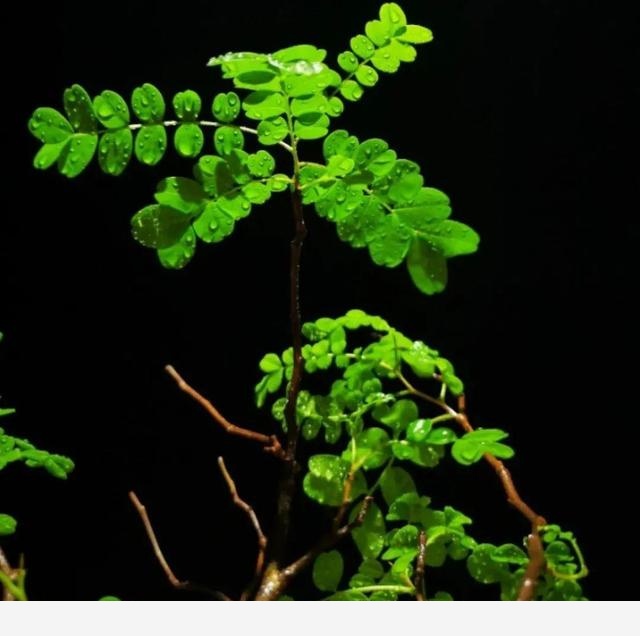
x: 514, y: 110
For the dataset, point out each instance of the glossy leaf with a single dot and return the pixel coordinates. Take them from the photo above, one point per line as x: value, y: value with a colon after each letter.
x: 214, y: 224
x: 159, y: 226
x: 396, y: 482
x: 327, y: 571
x: 351, y: 90
x: 77, y: 154
x: 114, y: 151
x: 111, y: 110
x: 362, y: 46
x: 348, y: 62
x: 7, y: 525
x: 427, y: 267
x: 483, y: 567
x: 50, y: 126
x: 150, y: 144
x: 369, y: 536
x: 187, y: 105
x: 227, y: 139
x: 184, y: 195
x: 272, y: 131
x: 188, y: 140
x: 470, y: 448
x: 178, y: 255
x: 79, y: 109
x: 148, y: 104
x: 261, y: 164
x: 226, y: 107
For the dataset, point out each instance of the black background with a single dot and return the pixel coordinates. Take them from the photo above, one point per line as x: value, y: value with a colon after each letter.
x: 515, y: 110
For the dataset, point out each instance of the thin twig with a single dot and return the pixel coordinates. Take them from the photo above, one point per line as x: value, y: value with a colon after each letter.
x: 142, y: 511
x: 270, y: 442
x: 418, y: 582
x: 173, y: 579
x: 262, y: 539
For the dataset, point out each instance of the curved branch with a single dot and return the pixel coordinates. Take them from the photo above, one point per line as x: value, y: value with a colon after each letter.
x: 270, y: 442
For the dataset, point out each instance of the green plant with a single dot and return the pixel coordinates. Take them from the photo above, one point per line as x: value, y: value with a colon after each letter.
x: 15, y: 449
x: 375, y: 422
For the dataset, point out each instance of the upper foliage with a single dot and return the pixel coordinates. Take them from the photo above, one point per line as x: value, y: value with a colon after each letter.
x: 377, y: 429
x: 376, y: 200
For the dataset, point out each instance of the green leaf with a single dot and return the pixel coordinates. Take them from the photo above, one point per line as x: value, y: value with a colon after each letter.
x: 270, y: 362
x: 392, y: 16
x: 184, y: 195
x: 178, y: 255
x: 327, y: 571
x: 79, y: 109
x: 403, y: 541
x: 385, y: 59
x: 470, y: 448
x: 49, y: 126
x: 4, y: 412
x: 109, y: 598
x: 159, y: 226
x: 441, y: 436
x: 419, y: 430
x: 348, y: 62
x: 427, y: 206
x: 188, y: 140
x: 377, y: 32
x: 373, y: 448
x: 441, y: 596
x: 351, y: 90
x: 148, y: 103
x: 398, y: 416
x: 482, y: 566
x: 409, y: 507
x: 48, y: 155
x: 362, y: 46
x: 311, y: 126
x: 272, y: 131
x: 261, y: 164
x: 389, y: 242
x: 394, y: 483
x: 114, y: 151
x: 339, y: 142
x: 451, y: 238
x: 111, y: 110
x: 187, y: 105
x: 226, y: 107
x: 227, y: 139
x: 235, y: 204
x: 415, y: 34
x: 77, y: 154
x: 150, y: 144
x: 510, y: 553
x: 427, y: 267
x: 367, y: 76
x: 256, y: 192
x: 369, y: 537
x: 7, y: 525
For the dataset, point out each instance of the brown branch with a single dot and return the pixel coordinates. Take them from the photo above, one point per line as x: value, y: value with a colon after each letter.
x: 287, y: 485
x: 262, y: 539
x: 535, y: 567
x: 270, y: 442
x: 275, y: 581
x: 173, y: 579
x: 142, y: 511
x: 418, y: 581
x: 536, y: 551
